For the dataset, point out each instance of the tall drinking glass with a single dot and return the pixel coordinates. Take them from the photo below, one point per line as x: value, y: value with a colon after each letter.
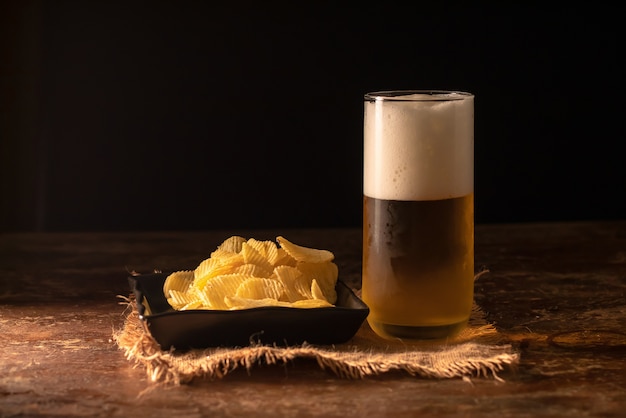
x: 418, y: 212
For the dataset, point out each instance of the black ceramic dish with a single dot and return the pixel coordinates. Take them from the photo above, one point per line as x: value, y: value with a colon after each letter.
x: 267, y: 325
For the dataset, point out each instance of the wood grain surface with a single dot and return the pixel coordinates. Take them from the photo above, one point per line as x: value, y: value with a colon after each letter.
x: 556, y: 291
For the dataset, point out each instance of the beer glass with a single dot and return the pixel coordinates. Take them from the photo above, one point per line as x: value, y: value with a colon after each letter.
x: 418, y: 212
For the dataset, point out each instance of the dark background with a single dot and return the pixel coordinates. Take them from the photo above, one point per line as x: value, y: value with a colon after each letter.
x: 127, y: 115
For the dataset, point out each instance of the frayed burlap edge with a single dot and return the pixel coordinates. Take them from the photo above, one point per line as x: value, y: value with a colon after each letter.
x: 474, y: 353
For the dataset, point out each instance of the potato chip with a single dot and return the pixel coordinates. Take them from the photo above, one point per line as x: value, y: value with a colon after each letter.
x: 263, y: 247
x: 288, y: 275
x: 253, y: 270
x: 260, y: 288
x: 302, y: 285
x: 272, y: 254
x: 223, y: 263
x: 247, y: 273
x: 178, y: 299
x: 179, y: 280
x: 196, y: 304
x: 252, y: 256
x: 236, y: 302
x: 297, y: 285
x: 232, y: 244
x: 300, y: 253
x: 218, y: 287
x: 311, y: 303
x: 316, y: 292
x: 283, y: 258
x: 205, y: 267
x: 220, y: 255
x: 325, y: 274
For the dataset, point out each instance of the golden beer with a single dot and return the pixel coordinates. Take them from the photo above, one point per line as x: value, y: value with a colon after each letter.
x: 418, y: 266
x: 418, y: 213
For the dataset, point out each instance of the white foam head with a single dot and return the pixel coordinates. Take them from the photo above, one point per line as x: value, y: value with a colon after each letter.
x: 418, y: 146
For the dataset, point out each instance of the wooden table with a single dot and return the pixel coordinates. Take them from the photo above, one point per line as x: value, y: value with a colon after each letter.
x: 556, y: 291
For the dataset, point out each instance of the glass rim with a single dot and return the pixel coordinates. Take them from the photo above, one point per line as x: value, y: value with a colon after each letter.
x: 424, y: 95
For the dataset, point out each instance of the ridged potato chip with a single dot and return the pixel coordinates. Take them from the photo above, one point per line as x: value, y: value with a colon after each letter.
x: 178, y: 299
x: 236, y: 302
x: 288, y: 276
x: 325, y: 274
x: 252, y: 256
x: 200, y: 281
x: 316, y: 291
x: 247, y: 273
x: 283, y: 258
x: 179, y: 281
x: 223, y: 256
x: 196, y: 304
x: 263, y: 247
x: 260, y: 288
x: 302, y: 285
x: 225, y: 263
x: 232, y: 244
x: 300, y: 253
x: 205, y: 267
x: 219, y: 287
x: 311, y: 303
x: 253, y: 270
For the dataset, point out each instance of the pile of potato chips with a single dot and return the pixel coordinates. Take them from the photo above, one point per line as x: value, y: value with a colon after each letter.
x: 247, y: 273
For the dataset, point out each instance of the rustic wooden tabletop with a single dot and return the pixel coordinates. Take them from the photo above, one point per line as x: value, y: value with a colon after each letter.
x: 556, y: 291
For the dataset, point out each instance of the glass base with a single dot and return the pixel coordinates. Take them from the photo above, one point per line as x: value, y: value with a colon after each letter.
x: 404, y: 332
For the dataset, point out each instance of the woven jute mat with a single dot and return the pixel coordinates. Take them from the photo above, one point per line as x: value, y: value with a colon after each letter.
x: 477, y: 351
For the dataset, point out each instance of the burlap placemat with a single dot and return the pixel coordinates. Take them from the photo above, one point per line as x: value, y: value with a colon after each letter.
x: 476, y: 352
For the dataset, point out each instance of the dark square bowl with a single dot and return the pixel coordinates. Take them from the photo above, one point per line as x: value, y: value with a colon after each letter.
x: 281, y: 326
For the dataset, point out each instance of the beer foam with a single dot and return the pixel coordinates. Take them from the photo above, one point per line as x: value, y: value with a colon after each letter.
x: 419, y: 147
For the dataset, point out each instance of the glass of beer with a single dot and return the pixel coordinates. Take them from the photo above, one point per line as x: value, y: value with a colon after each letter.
x: 418, y: 212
